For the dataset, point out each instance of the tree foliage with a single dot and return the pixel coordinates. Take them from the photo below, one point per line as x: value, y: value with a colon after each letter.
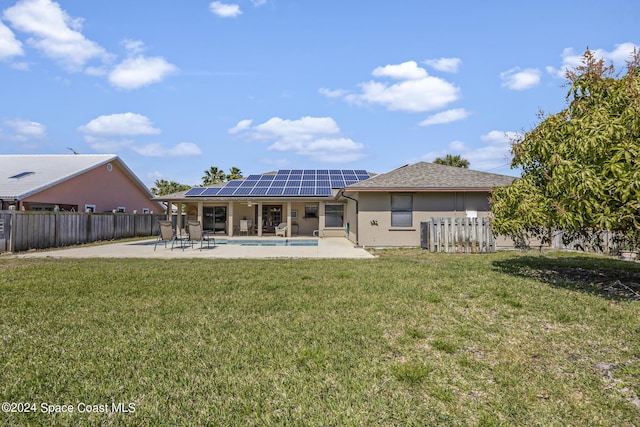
x: 581, y: 166
x: 451, y: 160
x: 163, y: 187
x: 213, y: 175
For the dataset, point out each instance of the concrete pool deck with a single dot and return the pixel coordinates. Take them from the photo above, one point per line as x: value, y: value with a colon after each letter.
x: 330, y: 247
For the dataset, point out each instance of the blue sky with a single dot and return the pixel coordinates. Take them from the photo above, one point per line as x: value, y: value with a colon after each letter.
x: 176, y: 87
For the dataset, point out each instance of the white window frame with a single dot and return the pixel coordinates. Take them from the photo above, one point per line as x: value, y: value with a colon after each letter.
x: 90, y: 208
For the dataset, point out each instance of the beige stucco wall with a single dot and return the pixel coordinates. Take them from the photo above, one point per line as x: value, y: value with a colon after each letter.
x: 374, y: 219
x: 105, y: 189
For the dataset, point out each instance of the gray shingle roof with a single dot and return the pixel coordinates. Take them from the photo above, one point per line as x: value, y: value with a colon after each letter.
x: 425, y: 176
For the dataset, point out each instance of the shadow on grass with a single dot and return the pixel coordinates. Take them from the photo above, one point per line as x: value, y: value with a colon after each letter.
x: 605, y: 277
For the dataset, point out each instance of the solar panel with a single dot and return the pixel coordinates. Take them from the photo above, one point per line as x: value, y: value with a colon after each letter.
x: 242, y: 191
x: 258, y: 191
x: 307, y: 191
x: 288, y: 182
x: 227, y: 191
x: 211, y: 191
x: 196, y: 191
x: 275, y: 191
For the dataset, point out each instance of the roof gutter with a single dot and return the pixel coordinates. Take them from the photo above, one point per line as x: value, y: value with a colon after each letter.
x: 357, y: 229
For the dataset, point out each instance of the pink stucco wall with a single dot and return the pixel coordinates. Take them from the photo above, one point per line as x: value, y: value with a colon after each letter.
x: 105, y: 189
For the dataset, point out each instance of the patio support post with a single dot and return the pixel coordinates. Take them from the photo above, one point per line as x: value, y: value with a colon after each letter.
x: 169, y: 210
x: 259, y: 219
x: 288, y: 219
x: 200, y: 213
x: 179, y: 223
x: 321, y: 217
x: 230, y: 226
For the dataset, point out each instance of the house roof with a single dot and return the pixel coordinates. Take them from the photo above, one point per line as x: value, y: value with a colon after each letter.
x: 425, y: 176
x: 24, y: 175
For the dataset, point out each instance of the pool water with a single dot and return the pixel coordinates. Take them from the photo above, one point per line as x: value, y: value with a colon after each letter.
x: 268, y: 242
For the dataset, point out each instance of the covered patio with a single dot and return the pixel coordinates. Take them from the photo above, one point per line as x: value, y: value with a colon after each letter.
x: 260, y: 218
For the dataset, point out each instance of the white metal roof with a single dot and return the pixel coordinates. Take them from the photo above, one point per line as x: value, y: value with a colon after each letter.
x: 22, y: 175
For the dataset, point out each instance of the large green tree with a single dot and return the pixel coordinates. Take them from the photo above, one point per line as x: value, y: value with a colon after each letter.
x: 581, y: 166
x: 451, y: 160
x: 162, y: 187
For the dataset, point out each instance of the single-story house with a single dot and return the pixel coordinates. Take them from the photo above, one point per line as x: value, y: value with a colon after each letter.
x: 368, y: 209
x: 72, y: 182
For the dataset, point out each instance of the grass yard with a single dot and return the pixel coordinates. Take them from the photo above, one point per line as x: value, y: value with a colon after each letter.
x: 409, y: 338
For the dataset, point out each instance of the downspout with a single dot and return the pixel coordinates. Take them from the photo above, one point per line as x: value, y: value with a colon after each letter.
x: 357, y: 229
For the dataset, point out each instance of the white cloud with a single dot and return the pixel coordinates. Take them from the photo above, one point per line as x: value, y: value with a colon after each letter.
x: 315, y: 137
x: 618, y: 56
x: 406, y: 71
x: 416, y: 91
x: 133, y: 73
x: 242, y: 125
x: 225, y: 10
x: 445, y: 117
x: 59, y: 37
x: 183, y: 149
x: 518, y: 79
x: 9, y: 45
x: 338, y: 93
x: 110, y: 133
x: 53, y: 32
x: 22, y: 130
x: 124, y: 124
x: 495, y: 153
x: 448, y: 65
x: 134, y: 47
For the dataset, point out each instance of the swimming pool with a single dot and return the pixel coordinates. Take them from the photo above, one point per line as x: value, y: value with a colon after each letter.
x: 268, y: 242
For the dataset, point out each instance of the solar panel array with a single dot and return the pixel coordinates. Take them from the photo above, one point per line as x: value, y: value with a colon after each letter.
x: 286, y: 182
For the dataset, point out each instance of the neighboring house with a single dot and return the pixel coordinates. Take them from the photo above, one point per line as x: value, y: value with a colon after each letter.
x: 72, y: 182
x: 371, y: 210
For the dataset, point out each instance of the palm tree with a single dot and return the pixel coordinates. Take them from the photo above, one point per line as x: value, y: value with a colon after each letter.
x: 213, y: 175
x: 234, y: 173
x: 451, y: 160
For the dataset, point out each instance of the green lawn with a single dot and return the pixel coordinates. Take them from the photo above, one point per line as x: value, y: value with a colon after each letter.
x: 409, y: 338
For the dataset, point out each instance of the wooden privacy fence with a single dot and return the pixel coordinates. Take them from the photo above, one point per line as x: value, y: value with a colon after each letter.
x: 21, y: 231
x: 464, y: 235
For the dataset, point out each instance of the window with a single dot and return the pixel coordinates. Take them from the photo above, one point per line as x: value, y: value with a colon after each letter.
x: 145, y: 210
x: 311, y: 211
x: 90, y: 208
x: 334, y: 215
x: 294, y: 214
x: 401, y: 210
x: 121, y: 209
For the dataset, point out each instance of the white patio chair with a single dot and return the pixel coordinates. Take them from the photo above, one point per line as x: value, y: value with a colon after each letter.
x: 281, y: 229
